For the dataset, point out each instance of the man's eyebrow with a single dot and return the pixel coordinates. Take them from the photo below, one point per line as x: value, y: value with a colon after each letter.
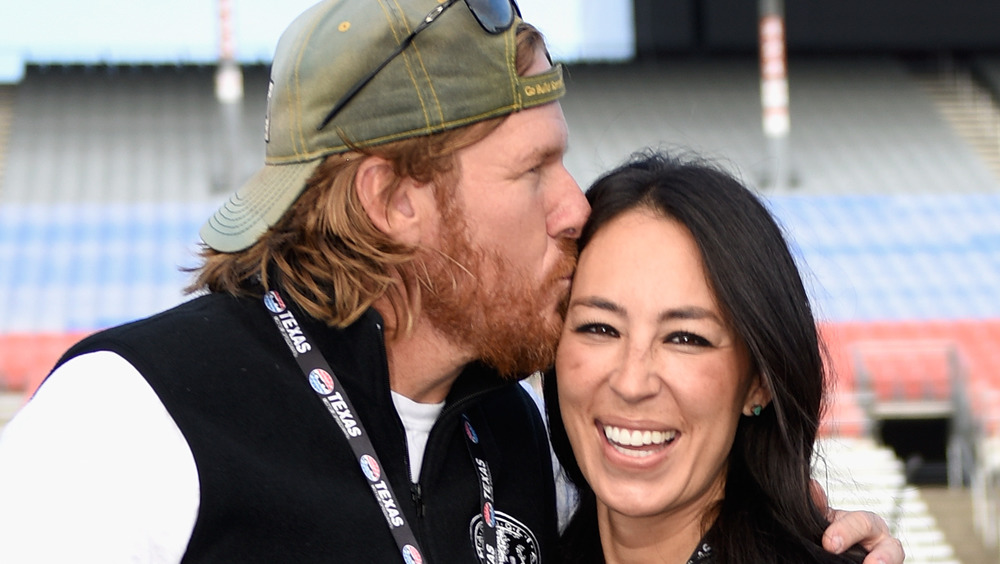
x: 539, y: 155
x: 545, y: 153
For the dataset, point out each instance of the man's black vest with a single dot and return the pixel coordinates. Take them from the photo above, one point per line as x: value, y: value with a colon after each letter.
x: 278, y: 480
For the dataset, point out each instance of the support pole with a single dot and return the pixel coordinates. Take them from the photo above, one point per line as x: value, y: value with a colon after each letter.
x: 774, y: 93
x: 229, y: 93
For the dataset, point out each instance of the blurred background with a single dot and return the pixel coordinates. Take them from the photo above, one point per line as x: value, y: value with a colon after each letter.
x: 870, y: 127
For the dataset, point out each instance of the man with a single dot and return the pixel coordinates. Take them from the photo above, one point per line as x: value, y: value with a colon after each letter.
x: 344, y: 390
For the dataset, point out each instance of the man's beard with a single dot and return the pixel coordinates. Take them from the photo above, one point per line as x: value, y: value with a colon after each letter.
x: 477, y: 298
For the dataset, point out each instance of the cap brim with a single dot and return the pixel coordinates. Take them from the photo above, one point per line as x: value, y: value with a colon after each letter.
x: 256, y: 206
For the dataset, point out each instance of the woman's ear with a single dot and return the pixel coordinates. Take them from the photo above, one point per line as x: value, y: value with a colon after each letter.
x: 758, y: 397
x: 397, y: 213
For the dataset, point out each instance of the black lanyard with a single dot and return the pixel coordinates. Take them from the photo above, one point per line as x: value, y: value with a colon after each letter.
x: 325, y: 384
x: 486, y: 503
x: 702, y: 554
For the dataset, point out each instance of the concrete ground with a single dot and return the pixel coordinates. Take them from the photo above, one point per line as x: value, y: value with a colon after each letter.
x: 952, y: 509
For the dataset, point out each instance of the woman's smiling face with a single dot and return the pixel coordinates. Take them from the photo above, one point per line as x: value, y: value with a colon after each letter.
x: 652, y: 379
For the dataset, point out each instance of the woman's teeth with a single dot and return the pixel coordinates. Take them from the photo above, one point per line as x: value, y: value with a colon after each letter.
x: 618, y: 436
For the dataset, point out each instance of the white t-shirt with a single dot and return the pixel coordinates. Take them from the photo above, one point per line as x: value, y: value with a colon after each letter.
x: 96, y: 435
x: 418, y: 419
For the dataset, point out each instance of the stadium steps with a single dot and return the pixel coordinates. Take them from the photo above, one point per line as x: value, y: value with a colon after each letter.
x: 969, y: 107
x: 858, y: 474
x: 6, y: 117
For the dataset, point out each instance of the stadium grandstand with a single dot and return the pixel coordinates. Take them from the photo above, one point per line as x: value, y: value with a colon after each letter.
x: 113, y: 154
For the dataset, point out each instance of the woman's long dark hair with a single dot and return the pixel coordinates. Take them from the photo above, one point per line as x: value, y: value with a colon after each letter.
x: 767, y: 514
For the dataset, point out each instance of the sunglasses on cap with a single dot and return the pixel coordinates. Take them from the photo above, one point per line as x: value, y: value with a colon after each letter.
x: 494, y: 16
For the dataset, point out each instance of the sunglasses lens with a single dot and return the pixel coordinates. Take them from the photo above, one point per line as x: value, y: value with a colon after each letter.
x: 494, y: 15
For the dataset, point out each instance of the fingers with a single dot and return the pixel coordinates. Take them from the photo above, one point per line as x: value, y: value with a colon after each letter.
x: 867, y: 529
x: 819, y: 498
x: 888, y: 551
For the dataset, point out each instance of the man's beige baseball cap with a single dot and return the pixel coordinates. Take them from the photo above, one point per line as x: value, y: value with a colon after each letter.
x: 453, y: 74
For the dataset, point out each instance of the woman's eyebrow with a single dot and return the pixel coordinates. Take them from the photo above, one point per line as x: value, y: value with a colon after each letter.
x: 689, y: 312
x: 672, y: 314
x: 599, y: 303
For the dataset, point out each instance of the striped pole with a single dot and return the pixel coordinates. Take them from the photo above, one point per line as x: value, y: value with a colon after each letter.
x: 229, y: 78
x: 774, y: 91
x: 229, y: 93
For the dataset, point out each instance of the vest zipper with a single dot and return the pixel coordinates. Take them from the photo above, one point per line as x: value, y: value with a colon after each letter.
x: 416, y: 494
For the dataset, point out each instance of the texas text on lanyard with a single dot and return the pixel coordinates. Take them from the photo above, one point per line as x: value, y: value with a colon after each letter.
x: 325, y: 384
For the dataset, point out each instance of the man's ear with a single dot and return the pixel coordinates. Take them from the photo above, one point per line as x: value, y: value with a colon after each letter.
x: 397, y: 214
x: 758, y: 396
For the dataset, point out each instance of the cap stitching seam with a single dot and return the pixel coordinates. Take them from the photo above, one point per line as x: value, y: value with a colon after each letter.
x: 510, y: 55
x: 245, y: 222
x: 406, y: 61
x: 430, y: 85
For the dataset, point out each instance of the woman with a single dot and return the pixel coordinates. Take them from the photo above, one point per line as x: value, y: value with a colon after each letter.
x: 690, y: 377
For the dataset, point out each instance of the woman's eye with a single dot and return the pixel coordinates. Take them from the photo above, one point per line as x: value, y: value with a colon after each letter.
x: 597, y: 329
x: 690, y: 339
